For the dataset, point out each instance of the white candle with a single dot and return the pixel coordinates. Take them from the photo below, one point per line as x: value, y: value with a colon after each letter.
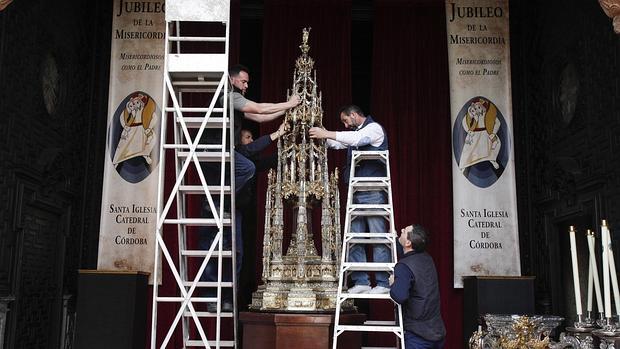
x: 590, y: 279
x: 573, y: 254
x: 593, y: 265
x: 612, y: 270
x: 605, y: 262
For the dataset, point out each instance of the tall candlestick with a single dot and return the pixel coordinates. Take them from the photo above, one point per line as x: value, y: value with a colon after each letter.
x: 573, y: 254
x: 593, y: 265
x: 605, y: 262
x: 590, y: 283
x: 612, y: 270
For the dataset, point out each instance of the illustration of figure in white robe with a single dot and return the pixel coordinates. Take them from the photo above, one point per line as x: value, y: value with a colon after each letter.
x: 482, y: 143
x: 138, y: 120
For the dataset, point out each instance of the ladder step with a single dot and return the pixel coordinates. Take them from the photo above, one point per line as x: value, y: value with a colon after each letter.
x: 194, y: 299
x: 199, y: 343
x: 355, y: 181
x: 386, y: 207
x: 198, y: 38
x: 198, y: 221
x: 207, y: 155
x: 351, y: 266
x: 203, y: 253
x: 369, y: 328
x: 198, y: 62
x: 195, y: 82
x: 369, y: 213
x: 370, y: 155
x: 345, y: 295
x: 370, y: 241
x: 198, y: 189
x: 370, y: 186
x: 208, y: 314
x: 194, y: 110
x: 369, y: 235
x: 224, y: 284
x: 198, y: 146
x: 380, y: 322
x: 196, y: 121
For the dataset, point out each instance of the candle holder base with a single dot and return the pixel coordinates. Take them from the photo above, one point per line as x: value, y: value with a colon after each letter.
x: 609, y: 338
x: 587, y: 325
x: 577, y: 338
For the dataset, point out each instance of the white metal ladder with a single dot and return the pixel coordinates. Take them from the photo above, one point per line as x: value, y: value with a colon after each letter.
x: 202, y: 136
x: 353, y: 211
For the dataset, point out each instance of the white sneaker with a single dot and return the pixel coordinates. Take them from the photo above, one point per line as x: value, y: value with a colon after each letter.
x: 359, y: 289
x: 379, y: 290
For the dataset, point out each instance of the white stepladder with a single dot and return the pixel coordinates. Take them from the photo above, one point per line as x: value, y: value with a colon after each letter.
x: 353, y: 211
x: 202, y: 144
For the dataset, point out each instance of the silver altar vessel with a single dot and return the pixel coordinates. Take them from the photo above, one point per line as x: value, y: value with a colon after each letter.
x: 301, y: 278
x: 516, y: 332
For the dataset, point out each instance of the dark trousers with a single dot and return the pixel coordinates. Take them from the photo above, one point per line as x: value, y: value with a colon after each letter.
x: 413, y: 341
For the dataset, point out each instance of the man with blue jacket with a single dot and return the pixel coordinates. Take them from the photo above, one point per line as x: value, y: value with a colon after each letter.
x: 415, y: 287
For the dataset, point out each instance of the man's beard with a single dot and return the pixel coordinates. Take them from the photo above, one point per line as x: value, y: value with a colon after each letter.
x: 236, y: 89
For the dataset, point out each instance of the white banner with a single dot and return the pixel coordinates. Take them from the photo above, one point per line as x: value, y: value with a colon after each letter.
x: 128, y: 207
x: 486, y: 238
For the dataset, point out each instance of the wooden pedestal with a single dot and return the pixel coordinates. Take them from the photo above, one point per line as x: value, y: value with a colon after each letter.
x: 299, y: 331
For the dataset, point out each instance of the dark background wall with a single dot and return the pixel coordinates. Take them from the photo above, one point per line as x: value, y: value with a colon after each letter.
x: 566, y: 85
x: 566, y: 103
x: 50, y: 161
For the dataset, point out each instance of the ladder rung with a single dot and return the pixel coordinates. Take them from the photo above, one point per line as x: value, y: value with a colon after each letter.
x: 370, y: 155
x: 196, y: 121
x: 345, y: 295
x: 196, y: 89
x: 199, y: 343
x: 196, y: 63
x: 198, y: 38
x: 370, y: 241
x: 194, y: 299
x: 203, y: 253
x: 378, y: 348
x: 194, y: 83
x: 354, y: 266
x: 198, y: 146
x: 208, y: 284
x: 368, y: 328
x: 207, y: 155
x: 199, y: 189
x: 370, y: 186
x: 370, y: 213
x: 361, y: 180
x: 369, y: 235
x: 194, y: 110
x: 197, y: 221
x: 208, y: 314
x: 370, y: 206
x: 380, y: 322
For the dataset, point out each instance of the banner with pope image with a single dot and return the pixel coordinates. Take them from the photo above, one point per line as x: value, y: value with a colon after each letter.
x: 129, y: 196
x: 486, y: 235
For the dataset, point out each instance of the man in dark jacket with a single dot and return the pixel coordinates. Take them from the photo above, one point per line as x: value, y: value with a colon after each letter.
x: 414, y: 285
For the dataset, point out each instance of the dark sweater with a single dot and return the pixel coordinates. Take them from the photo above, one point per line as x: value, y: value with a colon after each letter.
x: 417, y: 290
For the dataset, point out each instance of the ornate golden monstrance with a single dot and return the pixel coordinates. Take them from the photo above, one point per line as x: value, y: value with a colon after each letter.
x: 301, y: 279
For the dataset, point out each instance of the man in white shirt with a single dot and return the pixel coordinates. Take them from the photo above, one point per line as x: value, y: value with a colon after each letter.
x: 365, y: 135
